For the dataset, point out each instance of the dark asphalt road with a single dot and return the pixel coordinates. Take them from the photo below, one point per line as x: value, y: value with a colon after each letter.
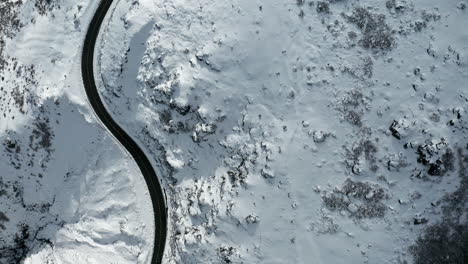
x: 154, y: 186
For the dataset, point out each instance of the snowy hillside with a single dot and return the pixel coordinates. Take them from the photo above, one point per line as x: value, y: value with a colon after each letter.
x: 284, y: 131
x: 68, y: 192
x: 299, y: 131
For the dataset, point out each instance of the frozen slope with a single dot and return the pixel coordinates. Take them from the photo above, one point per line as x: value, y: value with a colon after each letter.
x: 68, y: 191
x: 299, y: 131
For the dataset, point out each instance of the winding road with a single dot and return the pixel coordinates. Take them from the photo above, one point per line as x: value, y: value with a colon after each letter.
x: 154, y: 186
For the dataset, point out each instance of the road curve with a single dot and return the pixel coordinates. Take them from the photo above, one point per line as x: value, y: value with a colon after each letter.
x: 154, y: 186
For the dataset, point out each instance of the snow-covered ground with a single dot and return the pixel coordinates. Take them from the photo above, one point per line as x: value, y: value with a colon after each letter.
x: 68, y: 191
x: 299, y: 131
x: 285, y: 131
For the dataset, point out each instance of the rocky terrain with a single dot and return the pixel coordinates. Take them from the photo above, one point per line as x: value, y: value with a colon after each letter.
x: 285, y: 131
x: 295, y: 130
x: 68, y: 193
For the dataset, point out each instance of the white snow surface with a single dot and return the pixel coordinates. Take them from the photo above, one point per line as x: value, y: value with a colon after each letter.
x: 270, y: 122
x: 69, y: 193
x: 285, y: 131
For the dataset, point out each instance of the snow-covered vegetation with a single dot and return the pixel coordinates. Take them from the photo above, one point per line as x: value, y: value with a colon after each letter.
x: 68, y: 192
x: 284, y: 131
x: 291, y: 131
